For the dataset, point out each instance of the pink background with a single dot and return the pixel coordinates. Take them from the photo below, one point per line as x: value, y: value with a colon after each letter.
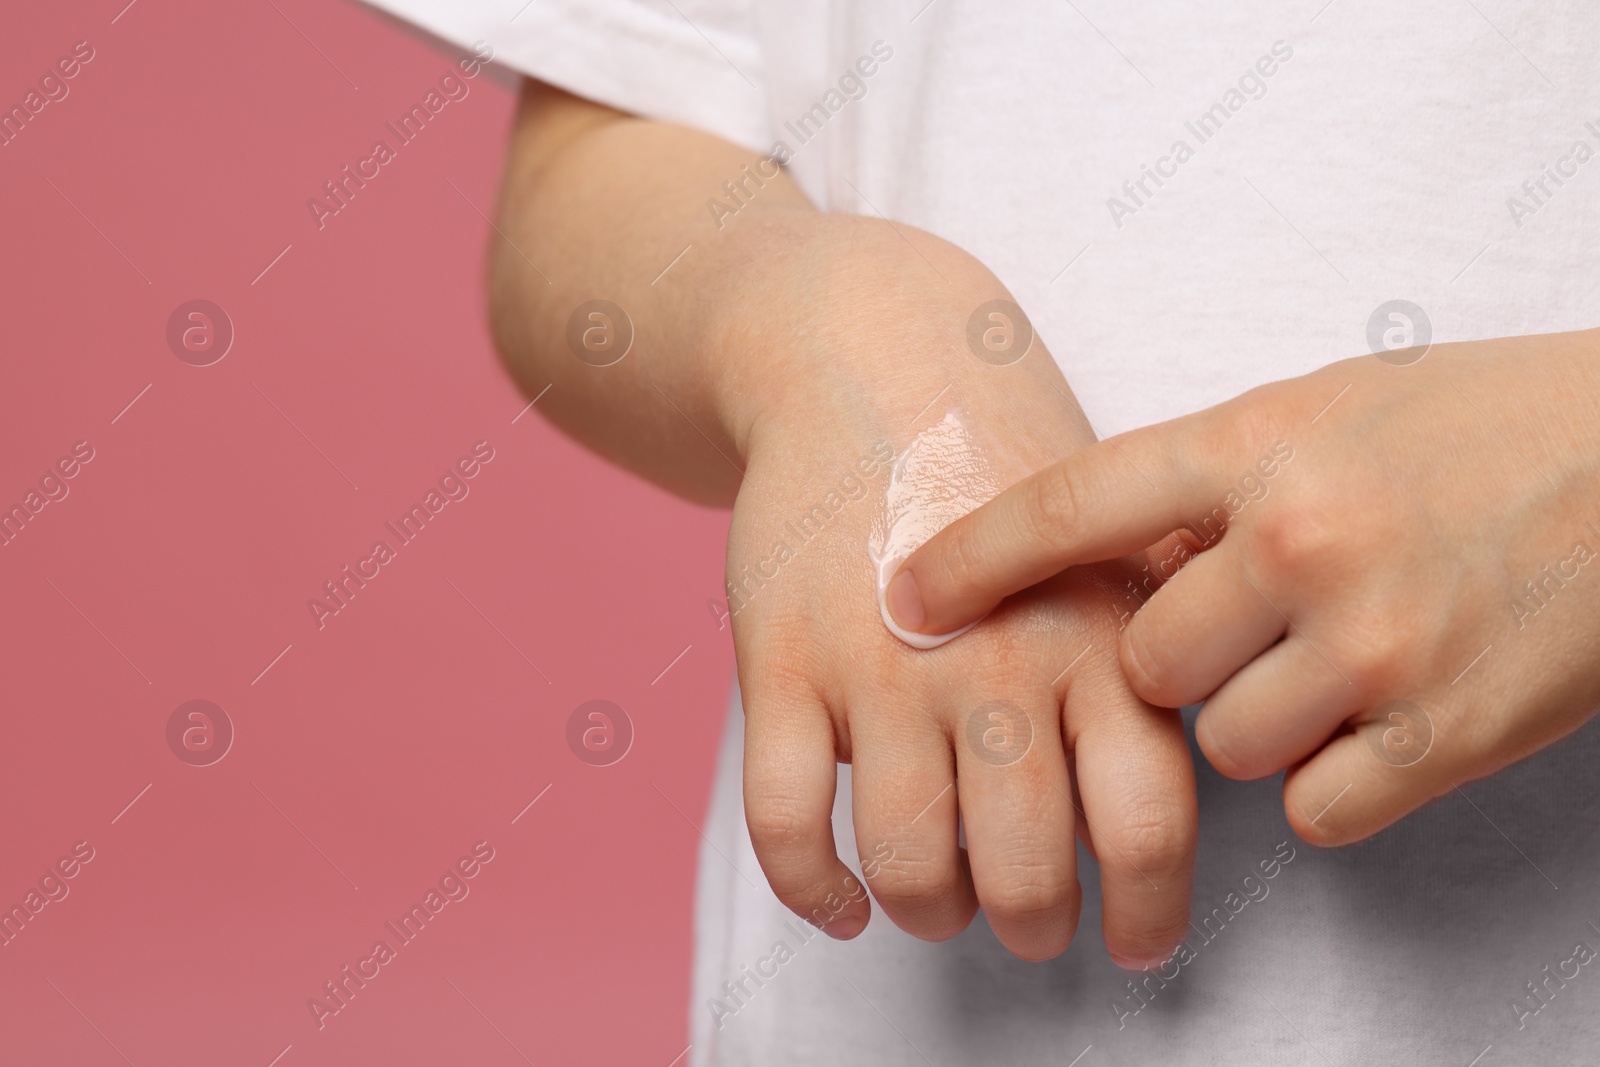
x: 373, y: 753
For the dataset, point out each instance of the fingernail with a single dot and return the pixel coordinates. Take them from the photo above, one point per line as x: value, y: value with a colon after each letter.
x: 1128, y: 964
x: 905, y: 601
x: 844, y: 929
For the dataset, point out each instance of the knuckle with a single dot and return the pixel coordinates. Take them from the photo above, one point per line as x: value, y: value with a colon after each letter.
x: 1290, y: 540
x: 1375, y: 670
x: 1378, y: 650
x: 777, y: 830
x: 1260, y: 416
x: 919, y: 892
x: 911, y: 883
x: 1031, y: 894
x: 776, y: 660
x: 1053, y: 507
x: 1156, y: 841
x: 1149, y: 671
x: 960, y: 564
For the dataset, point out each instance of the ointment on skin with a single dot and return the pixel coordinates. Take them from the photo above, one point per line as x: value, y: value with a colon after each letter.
x: 939, y: 477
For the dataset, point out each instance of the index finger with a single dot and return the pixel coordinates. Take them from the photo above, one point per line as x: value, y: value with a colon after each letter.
x: 1107, y: 501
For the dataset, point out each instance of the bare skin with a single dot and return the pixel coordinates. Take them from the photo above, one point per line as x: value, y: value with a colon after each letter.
x: 1414, y: 603
x: 769, y: 361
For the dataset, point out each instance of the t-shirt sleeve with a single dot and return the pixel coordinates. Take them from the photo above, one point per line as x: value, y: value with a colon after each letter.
x: 695, y: 62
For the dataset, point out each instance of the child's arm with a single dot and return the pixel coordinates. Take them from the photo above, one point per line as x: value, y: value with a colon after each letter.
x: 599, y: 205
x: 785, y: 357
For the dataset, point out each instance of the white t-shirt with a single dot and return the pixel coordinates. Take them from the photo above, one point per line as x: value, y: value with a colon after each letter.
x: 1189, y: 199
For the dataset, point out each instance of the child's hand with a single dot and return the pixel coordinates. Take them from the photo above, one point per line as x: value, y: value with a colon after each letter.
x: 1407, y: 596
x: 765, y: 354
x: 861, y: 343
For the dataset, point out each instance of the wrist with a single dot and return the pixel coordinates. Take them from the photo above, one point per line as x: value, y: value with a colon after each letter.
x: 826, y: 318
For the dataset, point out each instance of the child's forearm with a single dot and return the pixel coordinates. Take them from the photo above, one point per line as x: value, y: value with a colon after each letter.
x: 601, y: 206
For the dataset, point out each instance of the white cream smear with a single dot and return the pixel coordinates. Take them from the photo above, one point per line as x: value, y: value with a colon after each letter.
x: 939, y: 477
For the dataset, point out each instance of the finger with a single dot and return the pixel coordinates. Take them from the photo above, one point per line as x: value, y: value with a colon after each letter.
x: 1198, y: 631
x: 1360, y: 782
x: 1275, y: 712
x: 1167, y: 557
x: 1016, y: 803
x: 1109, y: 500
x: 1137, y: 783
x: 905, y: 809
x: 790, y: 775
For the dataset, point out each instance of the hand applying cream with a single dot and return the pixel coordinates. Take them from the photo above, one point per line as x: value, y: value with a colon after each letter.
x: 939, y: 477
